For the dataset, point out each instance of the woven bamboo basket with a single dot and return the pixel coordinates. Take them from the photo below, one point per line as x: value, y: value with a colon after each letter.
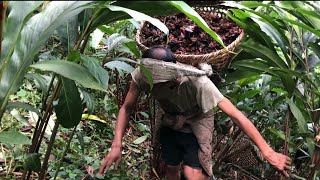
x: 219, y: 59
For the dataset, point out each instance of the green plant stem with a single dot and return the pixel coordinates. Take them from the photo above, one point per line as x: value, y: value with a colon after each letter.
x: 43, y: 121
x: 48, y: 152
x: 47, y: 95
x: 65, y: 152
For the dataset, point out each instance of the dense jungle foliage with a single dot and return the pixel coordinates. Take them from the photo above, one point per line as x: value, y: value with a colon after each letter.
x: 65, y: 68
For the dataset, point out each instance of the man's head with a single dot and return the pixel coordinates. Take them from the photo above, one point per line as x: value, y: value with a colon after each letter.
x: 161, y: 53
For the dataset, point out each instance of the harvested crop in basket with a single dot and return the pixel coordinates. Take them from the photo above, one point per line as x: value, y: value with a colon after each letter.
x: 185, y: 37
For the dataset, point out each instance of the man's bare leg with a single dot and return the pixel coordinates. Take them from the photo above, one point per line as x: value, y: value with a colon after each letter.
x: 194, y: 174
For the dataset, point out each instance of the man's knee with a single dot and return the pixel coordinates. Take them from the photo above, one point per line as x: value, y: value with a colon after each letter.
x: 194, y: 173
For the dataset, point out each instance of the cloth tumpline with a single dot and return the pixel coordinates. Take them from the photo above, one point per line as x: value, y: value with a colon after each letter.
x: 188, y: 108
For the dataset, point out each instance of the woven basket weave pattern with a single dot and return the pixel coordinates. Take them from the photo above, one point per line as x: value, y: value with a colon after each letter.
x: 219, y: 59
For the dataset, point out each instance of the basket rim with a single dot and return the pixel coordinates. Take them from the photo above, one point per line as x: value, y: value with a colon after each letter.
x: 227, y: 49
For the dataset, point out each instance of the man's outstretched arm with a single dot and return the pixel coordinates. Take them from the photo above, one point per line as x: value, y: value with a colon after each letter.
x: 279, y: 161
x: 114, y: 156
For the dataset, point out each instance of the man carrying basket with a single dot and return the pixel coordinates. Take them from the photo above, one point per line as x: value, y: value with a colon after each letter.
x: 187, y: 96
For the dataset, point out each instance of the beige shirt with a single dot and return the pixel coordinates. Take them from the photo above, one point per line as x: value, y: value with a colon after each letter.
x: 194, y: 94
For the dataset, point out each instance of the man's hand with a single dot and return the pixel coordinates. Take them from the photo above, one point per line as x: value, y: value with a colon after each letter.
x: 114, y: 156
x: 279, y: 161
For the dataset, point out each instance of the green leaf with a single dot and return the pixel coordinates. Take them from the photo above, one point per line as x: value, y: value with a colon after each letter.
x: 39, y: 81
x: 94, y: 67
x: 31, y: 39
x: 115, y: 42
x: 146, y: 72
x: 140, y: 139
x: 69, y: 107
x: 14, y: 23
x: 302, y: 123
x: 73, y: 56
x: 312, y: 16
x: 72, y: 71
x: 255, y: 64
x: 119, y: 65
x: 88, y: 100
x: 12, y: 105
x: 32, y: 162
x: 68, y: 33
x: 302, y: 25
x: 122, y: 59
x: 194, y: 16
x: 141, y: 17
x: 96, y: 37
x: 315, y: 48
x: 81, y: 141
x: 240, y: 74
x: 287, y: 82
x: 264, y: 53
x: 132, y: 46
x: 84, y: 18
x: 13, y: 137
x: 249, y: 94
x: 151, y: 8
x: 107, y: 29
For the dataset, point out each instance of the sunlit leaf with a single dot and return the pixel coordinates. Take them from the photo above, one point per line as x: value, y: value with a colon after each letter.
x: 140, y: 140
x: 141, y: 17
x: 119, y: 65
x: 93, y: 117
x: 151, y: 8
x: 69, y: 107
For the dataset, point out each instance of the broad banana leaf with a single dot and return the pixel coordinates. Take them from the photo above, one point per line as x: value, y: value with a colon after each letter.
x: 33, y: 36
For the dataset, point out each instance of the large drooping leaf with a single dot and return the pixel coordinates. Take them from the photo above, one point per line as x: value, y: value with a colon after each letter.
x: 151, y: 8
x: 15, y: 21
x: 68, y: 33
x: 72, y: 71
x: 69, y: 107
x: 32, y: 37
x: 94, y: 67
x: 194, y: 16
x: 13, y: 137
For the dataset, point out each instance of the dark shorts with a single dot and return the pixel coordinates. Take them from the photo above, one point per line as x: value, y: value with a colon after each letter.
x: 177, y: 147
